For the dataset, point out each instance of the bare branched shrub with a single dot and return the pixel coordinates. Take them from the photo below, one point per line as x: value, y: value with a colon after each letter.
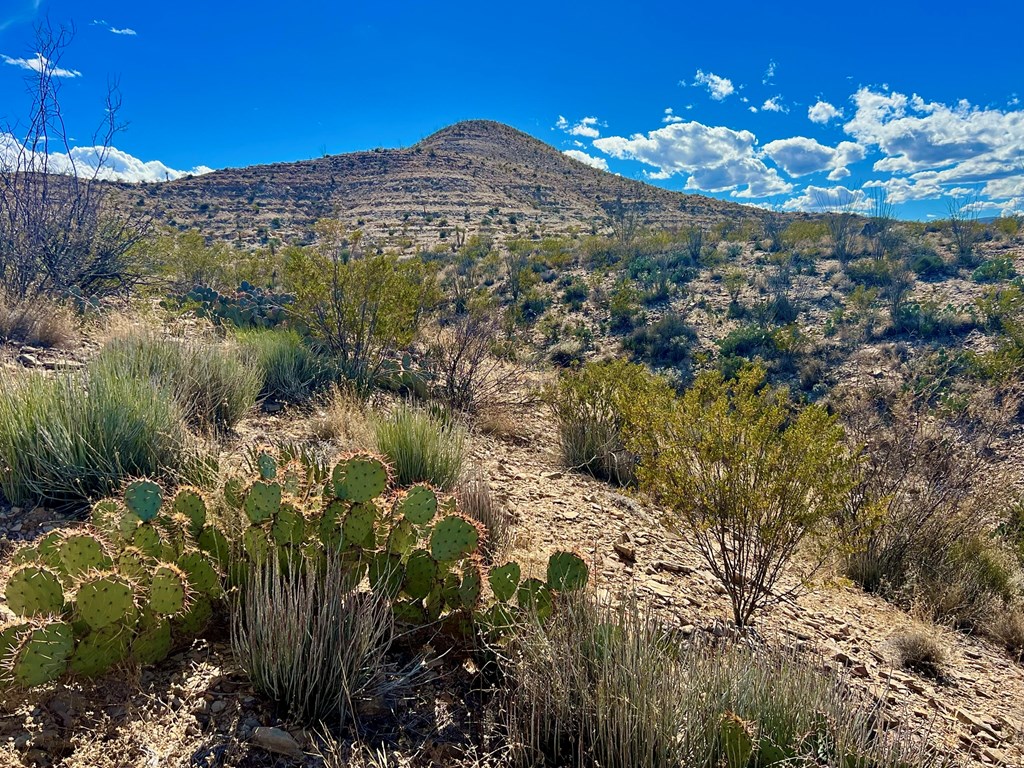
x: 963, y: 227
x: 839, y: 219
x: 58, y: 231
x: 311, y: 644
x: 477, y: 501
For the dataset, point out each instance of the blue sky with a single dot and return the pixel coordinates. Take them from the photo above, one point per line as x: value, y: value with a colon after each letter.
x: 767, y: 105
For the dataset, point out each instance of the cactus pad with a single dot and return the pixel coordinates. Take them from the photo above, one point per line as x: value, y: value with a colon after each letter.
x: 262, y: 501
x: 267, y: 466
x: 567, y: 572
x: 358, y: 528
x: 234, y: 492
x: 386, y: 574
x: 147, y: 540
x: 153, y: 643
x: 99, y: 651
x: 215, y: 544
x: 505, y: 580
x: 737, y: 741
x: 360, y: 478
x: 104, y: 599
x: 453, y: 537
x: 42, y: 654
x: 190, y: 503
x: 143, y: 499
x: 418, y: 506
x: 402, y: 538
x: 34, y: 590
x: 471, y: 587
x: 535, y: 597
x: 167, y: 590
x: 134, y: 563
x: 289, y: 526
x: 330, y: 524
x: 81, y: 552
x: 408, y: 612
x: 420, y: 574
x: 256, y: 544
x: 106, y: 515
x: 194, y: 620
x: 200, y: 572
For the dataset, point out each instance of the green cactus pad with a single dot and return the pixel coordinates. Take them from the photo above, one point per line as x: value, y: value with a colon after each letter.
x: 256, y: 544
x: 143, y: 499
x: 408, y: 612
x: 234, y: 492
x: 535, y: 597
x: 173, y: 540
x: 34, y: 590
x: 497, y: 620
x: 200, y: 572
x: 453, y: 537
x: 329, y: 526
x: 106, y: 515
x: 358, y: 528
x: 402, y: 538
x: 450, y: 584
x: 434, y: 603
x: 195, y: 619
x: 418, y: 506
x: 215, y: 544
x: 471, y: 587
x: 360, y: 478
x: 106, y: 599
x: 153, y: 643
x: 99, y: 651
x: 294, y: 479
x: 567, y: 572
x: 81, y: 552
x: 26, y: 555
x: 168, y: 590
x: 289, y: 526
x: 134, y: 563
x: 420, y: 574
x: 191, y: 504
x: 386, y: 574
x: 262, y: 501
x: 736, y: 740
x: 10, y: 637
x: 147, y: 540
x: 42, y: 654
x: 267, y: 466
x: 504, y: 581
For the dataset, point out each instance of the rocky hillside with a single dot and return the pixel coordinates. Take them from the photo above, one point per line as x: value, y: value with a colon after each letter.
x: 472, y: 175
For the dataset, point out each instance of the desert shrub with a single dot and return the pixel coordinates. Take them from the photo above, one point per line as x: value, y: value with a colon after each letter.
x: 927, y: 264
x: 624, y: 306
x: 575, y: 294
x: 748, y: 341
x: 38, y: 322
x: 1007, y: 629
x: 342, y: 416
x: 666, y: 342
x: 310, y: 643
x: 70, y: 439
x: 477, y: 502
x: 210, y: 381
x: 420, y: 446
x: 918, y: 650
x: 606, y: 686
x: 804, y: 232
x: 747, y: 477
x: 589, y: 406
x: 289, y: 369
x: 994, y: 270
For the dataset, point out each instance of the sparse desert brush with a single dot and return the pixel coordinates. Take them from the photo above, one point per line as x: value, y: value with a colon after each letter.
x: 290, y: 369
x: 64, y: 440
x: 343, y: 417
x: 477, y: 501
x: 1007, y: 629
x: 918, y: 649
x: 39, y: 322
x: 422, y: 447
x: 209, y: 380
x: 597, y: 685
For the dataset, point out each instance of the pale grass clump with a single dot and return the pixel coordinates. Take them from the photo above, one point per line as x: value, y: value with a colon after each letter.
x: 344, y: 419
x: 39, y: 322
x: 311, y: 643
x: 421, y: 447
x: 477, y: 502
x: 919, y: 650
x: 597, y: 685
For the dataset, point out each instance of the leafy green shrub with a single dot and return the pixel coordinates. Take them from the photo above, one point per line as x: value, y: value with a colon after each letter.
x: 575, y: 294
x: 70, y: 439
x: 589, y: 407
x: 870, y: 272
x: 748, y: 341
x: 624, y: 306
x: 666, y: 342
x: 927, y: 264
x: 289, y: 369
x: 597, y: 685
x: 421, y: 447
x: 745, y: 478
x: 209, y: 381
x: 994, y: 270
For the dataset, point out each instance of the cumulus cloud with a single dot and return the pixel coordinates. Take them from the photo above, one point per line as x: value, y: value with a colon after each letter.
x: 801, y: 155
x: 719, y: 87
x: 671, y: 117
x: 110, y: 165
x: 818, y: 199
x: 715, y: 158
x: 774, y: 104
x: 40, y: 63
x: 587, y: 127
x: 594, y: 162
x: 823, y: 113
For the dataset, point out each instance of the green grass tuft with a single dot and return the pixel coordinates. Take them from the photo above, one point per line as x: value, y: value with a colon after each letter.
x: 421, y: 448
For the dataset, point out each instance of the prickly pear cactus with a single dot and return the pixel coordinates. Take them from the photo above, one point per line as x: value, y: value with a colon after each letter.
x: 34, y: 590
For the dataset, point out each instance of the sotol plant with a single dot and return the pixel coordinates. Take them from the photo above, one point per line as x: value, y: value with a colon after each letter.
x: 141, y: 576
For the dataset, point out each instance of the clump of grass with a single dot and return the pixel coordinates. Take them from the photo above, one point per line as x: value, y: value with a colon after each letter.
x: 39, y: 322
x: 311, y: 643
x: 596, y: 685
x: 66, y: 440
x: 477, y: 502
x: 209, y: 381
x: 343, y: 419
x: 291, y: 371
x: 422, y: 447
x: 1007, y: 629
x: 918, y: 650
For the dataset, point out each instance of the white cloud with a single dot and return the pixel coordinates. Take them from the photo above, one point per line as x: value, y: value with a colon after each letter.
x: 823, y: 113
x: 715, y: 158
x: 769, y: 73
x: 774, y: 104
x: 800, y: 155
x: 671, y: 117
x: 819, y: 199
x: 594, y: 162
x: 113, y: 165
x: 587, y: 127
x: 719, y: 87
x: 40, y: 64
x: 125, y: 31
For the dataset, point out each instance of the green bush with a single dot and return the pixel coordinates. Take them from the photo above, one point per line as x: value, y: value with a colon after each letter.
x: 70, y: 439
x: 421, y: 447
x: 209, y: 381
x: 606, y: 686
x: 994, y: 270
x: 666, y: 342
x: 589, y: 407
x: 928, y: 265
x: 289, y: 369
